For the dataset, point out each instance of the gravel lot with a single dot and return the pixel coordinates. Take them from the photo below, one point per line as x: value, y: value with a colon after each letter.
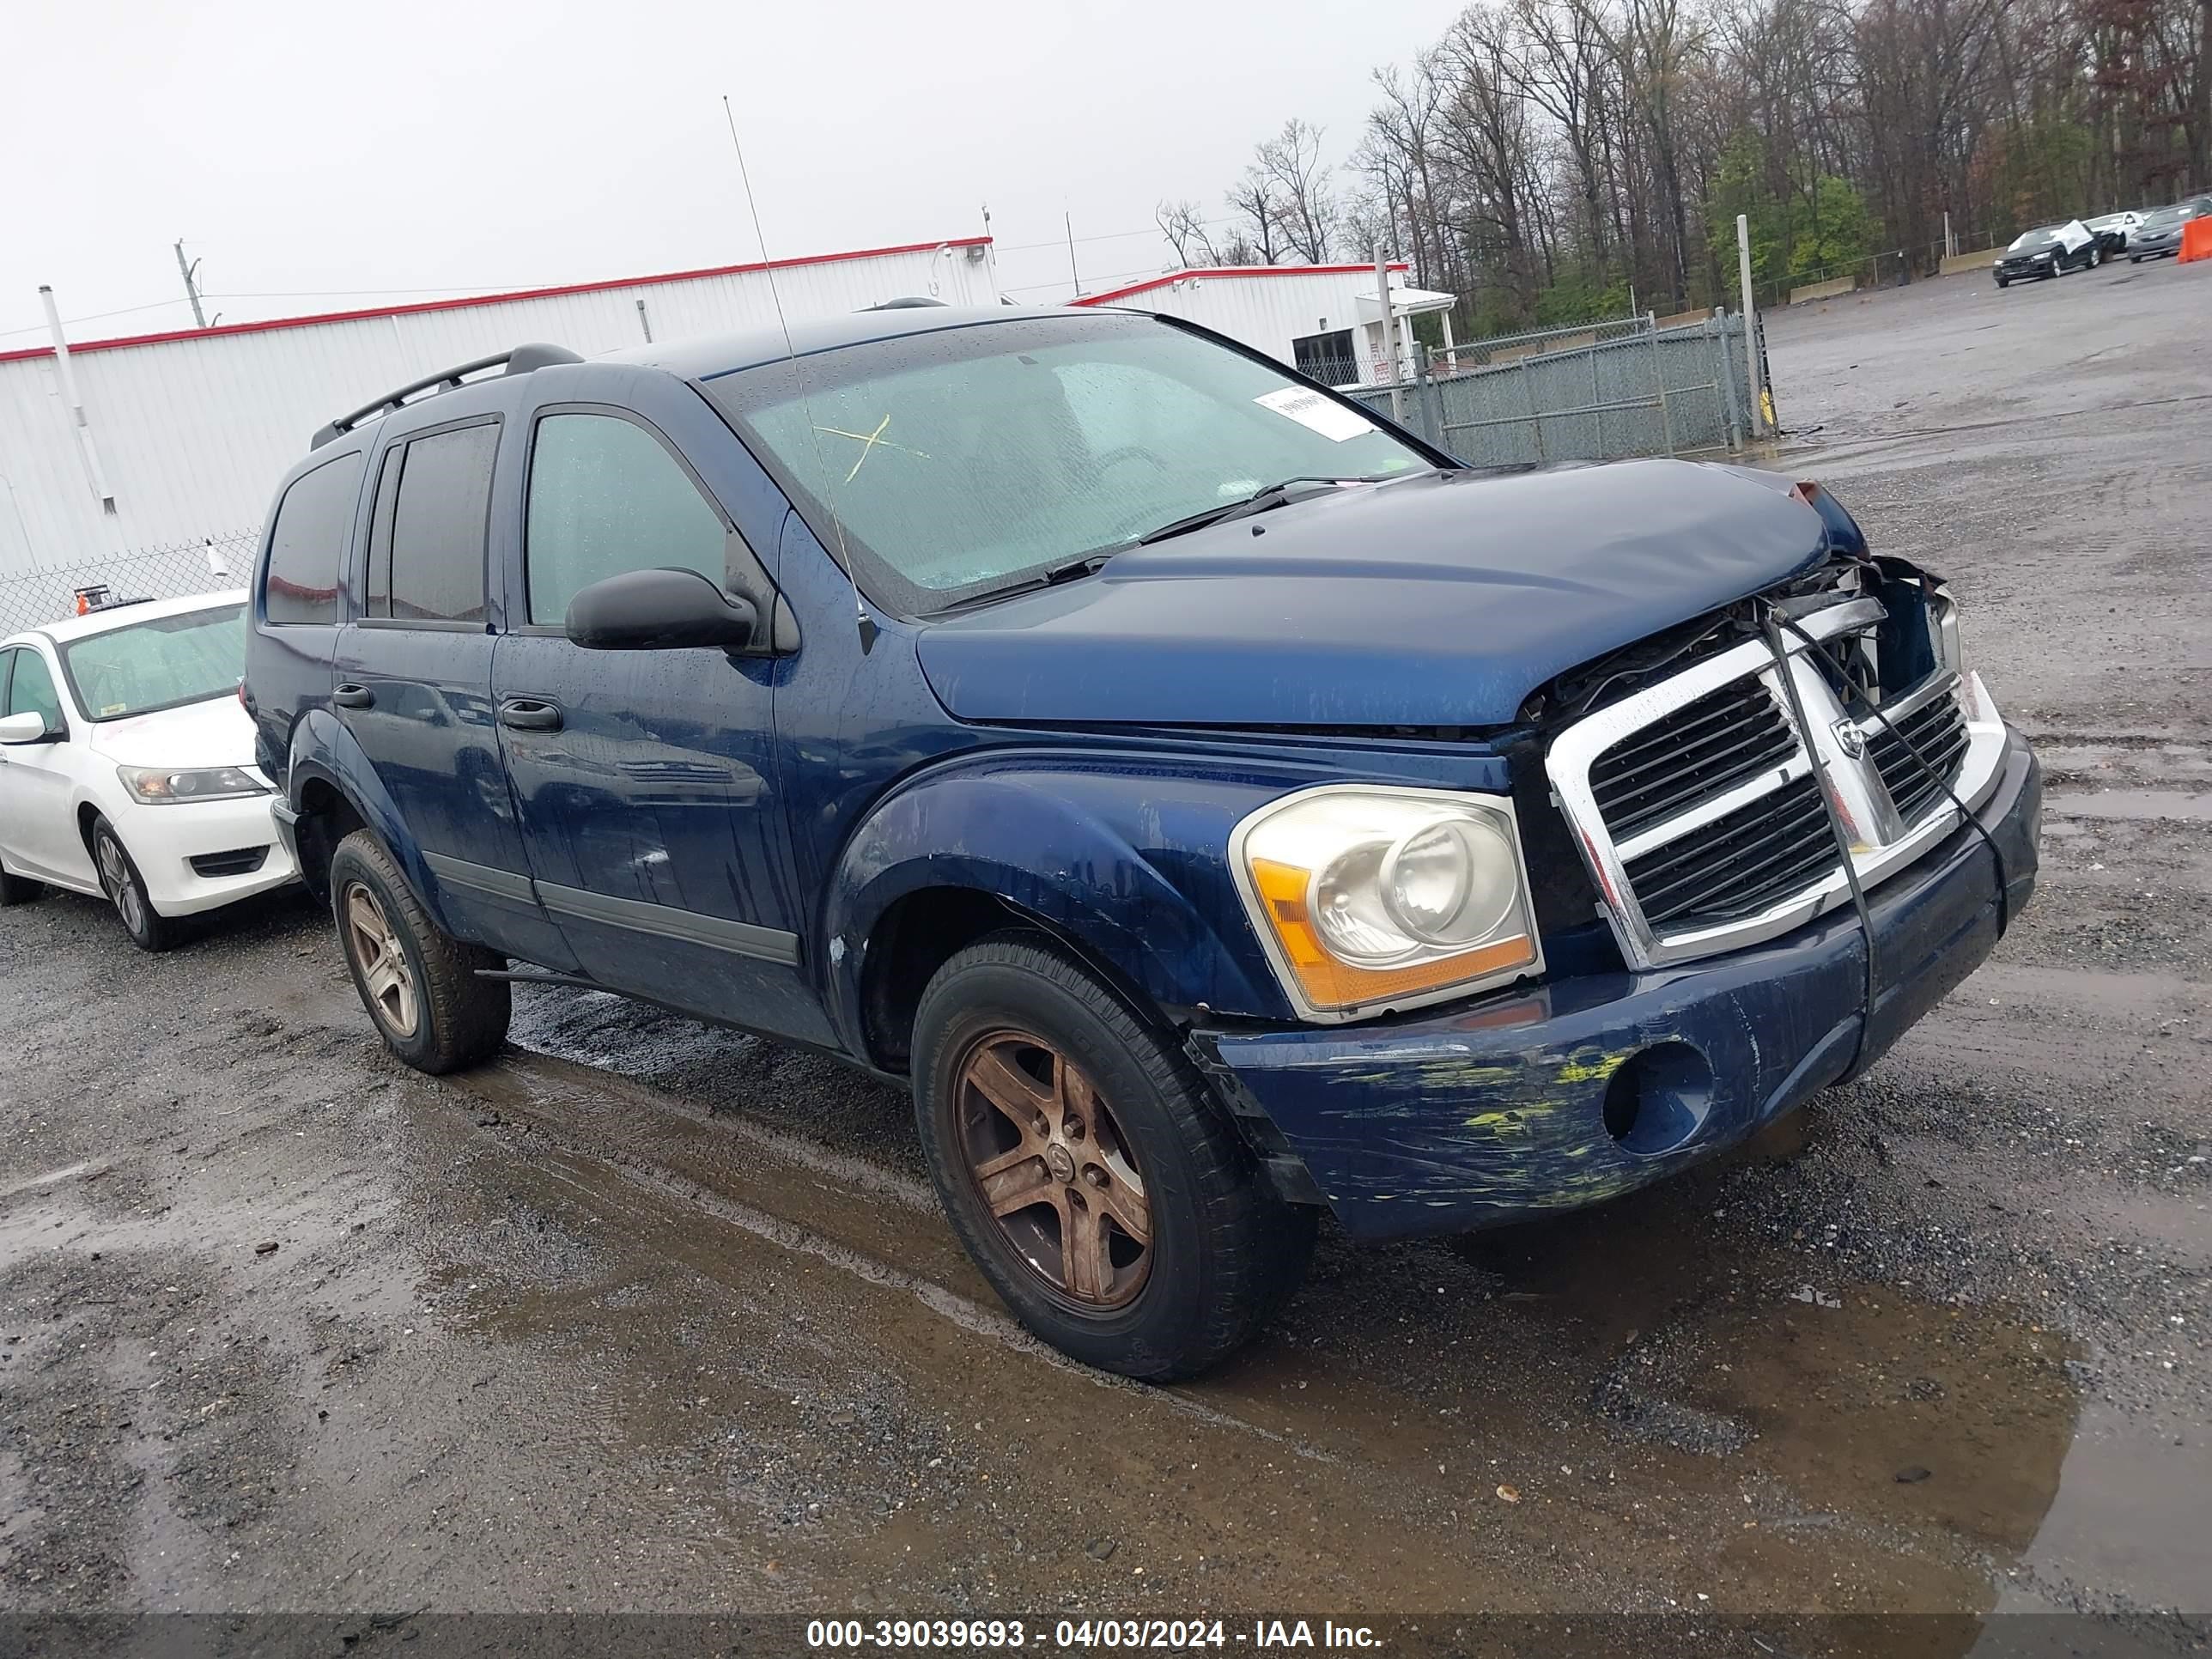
x: 648, y: 1316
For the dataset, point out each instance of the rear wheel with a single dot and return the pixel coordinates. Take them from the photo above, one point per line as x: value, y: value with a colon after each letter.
x: 125, y: 888
x: 418, y: 983
x: 1087, y: 1170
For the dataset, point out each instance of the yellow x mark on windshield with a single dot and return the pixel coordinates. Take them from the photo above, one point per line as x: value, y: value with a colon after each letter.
x: 868, y: 440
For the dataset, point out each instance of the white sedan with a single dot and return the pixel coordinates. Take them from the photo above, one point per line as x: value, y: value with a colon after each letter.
x: 126, y: 764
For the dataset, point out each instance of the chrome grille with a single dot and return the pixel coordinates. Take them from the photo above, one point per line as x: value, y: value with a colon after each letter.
x: 1689, y: 756
x: 1740, y: 863
x: 1936, y: 732
x: 1702, y: 808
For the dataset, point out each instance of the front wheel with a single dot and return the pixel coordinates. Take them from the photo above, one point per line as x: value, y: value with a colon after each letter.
x: 1087, y: 1170
x: 418, y: 983
x: 125, y: 888
x: 2003, y: 283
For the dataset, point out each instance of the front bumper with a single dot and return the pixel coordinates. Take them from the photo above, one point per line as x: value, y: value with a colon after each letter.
x: 163, y: 841
x: 1439, y: 1123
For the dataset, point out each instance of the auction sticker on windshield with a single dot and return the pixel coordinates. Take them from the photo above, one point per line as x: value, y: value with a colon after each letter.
x: 1310, y: 409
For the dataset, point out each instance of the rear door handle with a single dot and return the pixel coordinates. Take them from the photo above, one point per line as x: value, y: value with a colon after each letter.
x: 529, y: 714
x: 354, y: 696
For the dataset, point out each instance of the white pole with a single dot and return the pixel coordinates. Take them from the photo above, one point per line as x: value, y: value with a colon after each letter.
x: 1389, y: 332
x: 1750, y: 324
x: 87, y: 452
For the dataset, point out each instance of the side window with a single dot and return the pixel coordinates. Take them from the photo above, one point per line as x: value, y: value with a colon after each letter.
x: 605, y: 497
x: 379, y: 533
x: 313, y: 523
x: 434, y: 553
x: 31, y: 689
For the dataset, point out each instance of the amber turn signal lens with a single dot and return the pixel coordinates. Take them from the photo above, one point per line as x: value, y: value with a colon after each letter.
x: 1329, y: 983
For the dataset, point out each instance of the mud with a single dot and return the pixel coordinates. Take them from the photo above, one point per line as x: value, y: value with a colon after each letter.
x: 648, y: 1316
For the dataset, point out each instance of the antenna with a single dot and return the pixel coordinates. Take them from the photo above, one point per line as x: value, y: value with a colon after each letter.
x: 865, y: 622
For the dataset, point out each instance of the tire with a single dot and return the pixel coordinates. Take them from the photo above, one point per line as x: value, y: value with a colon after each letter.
x: 1130, y: 1135
x: 2004, y: 282
x: 149, y: 930
x: 18, y: 890
x: 417, y: 982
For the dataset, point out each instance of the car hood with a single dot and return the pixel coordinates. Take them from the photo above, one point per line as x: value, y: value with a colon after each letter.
x: 1440, y: 600
x: 214, y: 732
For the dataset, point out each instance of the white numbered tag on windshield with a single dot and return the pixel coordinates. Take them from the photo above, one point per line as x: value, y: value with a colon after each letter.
x: 1310, y: 409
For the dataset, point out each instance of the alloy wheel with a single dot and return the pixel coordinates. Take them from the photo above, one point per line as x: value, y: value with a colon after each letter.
x: 122, y: 889
x: 1053, y: 1168
x: 375, y: 944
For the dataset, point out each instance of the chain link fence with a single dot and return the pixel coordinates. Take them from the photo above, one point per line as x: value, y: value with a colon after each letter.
x: 1595, y: 392
x: 30, y: 597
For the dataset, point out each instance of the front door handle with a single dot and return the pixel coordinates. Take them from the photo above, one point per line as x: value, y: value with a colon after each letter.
x: 529, y: 714
x: 354, y: 696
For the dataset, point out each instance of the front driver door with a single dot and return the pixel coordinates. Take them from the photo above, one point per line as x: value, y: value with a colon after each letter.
x: 37, y: 827
x: 646, y: 779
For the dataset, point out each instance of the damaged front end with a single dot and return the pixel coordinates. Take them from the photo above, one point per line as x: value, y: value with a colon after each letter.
x: 1696, y: 796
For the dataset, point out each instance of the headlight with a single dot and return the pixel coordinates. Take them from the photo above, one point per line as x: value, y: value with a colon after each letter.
x: 1367, y: 897
x: 1943, y: 629
x: 154, y: 786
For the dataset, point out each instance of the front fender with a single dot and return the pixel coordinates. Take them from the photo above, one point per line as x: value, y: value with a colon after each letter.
x: 323, y: 751
x: 1128, y: 857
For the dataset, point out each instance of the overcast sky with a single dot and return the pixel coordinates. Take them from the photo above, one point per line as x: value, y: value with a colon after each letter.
x: 318, y: 156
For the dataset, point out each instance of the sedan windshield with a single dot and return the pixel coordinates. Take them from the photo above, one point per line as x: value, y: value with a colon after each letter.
x: 163, y: 662
x: 968, y: 461
x: 2028, y: 240
x: 2161, y: 219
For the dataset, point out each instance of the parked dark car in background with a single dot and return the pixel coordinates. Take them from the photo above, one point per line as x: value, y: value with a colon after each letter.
x: 2159, y: 233
x: 2049, y: 251
x: 1213, y: 803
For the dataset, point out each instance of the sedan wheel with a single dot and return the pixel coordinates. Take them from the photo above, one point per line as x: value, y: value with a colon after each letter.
x: 387, y: 980
x: 119, y: 879
x: 1053, y: 1168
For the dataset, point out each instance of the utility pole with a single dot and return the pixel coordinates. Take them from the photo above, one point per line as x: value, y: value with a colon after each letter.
x: 1069, y: 219
x: 192, y: 287
x: 1391, y: 373
x: 1750, y: 326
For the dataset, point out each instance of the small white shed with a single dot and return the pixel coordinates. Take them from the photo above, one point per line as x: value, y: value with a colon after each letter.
x: 1325, y: 322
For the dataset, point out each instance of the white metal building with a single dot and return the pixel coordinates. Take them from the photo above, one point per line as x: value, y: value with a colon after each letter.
x: 187, y: 433
x: 1323, y: 320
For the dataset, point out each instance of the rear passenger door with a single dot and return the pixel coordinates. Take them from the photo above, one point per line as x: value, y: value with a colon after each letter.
x: 646, y: 779
x: 413, y: 680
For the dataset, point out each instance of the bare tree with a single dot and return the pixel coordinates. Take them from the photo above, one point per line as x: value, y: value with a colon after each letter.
x: 1181, y: 223
x: 1305, y: 204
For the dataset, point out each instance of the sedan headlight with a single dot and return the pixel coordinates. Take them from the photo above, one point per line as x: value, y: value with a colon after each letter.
x: 1368, y: 897
x: 156, y: 786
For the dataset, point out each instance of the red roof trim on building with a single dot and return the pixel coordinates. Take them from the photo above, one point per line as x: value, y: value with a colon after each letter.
x: 463, y: 301
x: 1112, y: 294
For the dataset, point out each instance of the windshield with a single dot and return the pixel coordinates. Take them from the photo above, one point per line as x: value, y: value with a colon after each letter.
x: 965, y: 461
x: 2032, y: 238
x: 2160, y: 218
x: 161, y: 663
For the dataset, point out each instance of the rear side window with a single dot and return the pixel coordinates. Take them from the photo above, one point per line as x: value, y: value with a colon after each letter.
x: 313, y: 523
x: 427, y: 550
x: 606, y: 497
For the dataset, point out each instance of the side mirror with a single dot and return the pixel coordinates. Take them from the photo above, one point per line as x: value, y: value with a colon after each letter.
x: 659, y: 611
x: 27, y: 728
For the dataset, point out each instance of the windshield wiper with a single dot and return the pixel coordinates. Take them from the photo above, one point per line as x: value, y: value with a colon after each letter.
x: 1267, y: 495
x: 1052, y: 577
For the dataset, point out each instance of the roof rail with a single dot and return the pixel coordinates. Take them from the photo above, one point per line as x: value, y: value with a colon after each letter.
x: 521, y: 361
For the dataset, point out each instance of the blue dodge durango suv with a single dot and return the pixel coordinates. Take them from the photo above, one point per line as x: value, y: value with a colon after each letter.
x: 1215, y: 804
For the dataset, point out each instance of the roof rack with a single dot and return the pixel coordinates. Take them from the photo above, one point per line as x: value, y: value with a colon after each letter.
x: 521, y: 361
